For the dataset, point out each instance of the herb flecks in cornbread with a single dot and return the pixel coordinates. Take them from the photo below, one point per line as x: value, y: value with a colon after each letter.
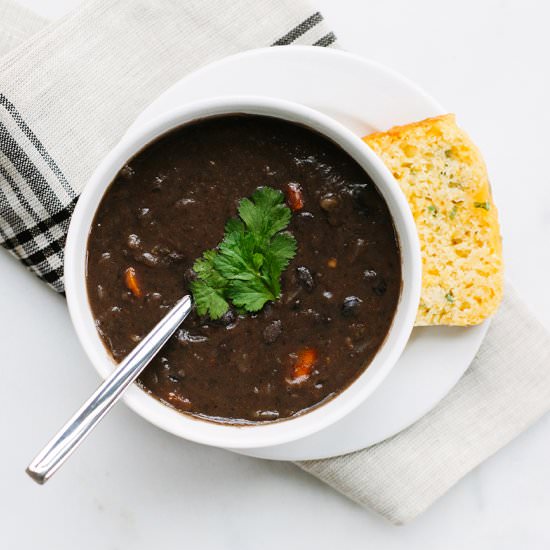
x: 444, y: 178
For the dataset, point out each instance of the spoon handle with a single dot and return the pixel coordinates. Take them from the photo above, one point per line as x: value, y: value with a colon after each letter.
x: 65, y: 442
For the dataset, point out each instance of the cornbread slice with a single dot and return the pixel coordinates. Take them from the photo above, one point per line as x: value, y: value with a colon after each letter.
x: 444, y: 178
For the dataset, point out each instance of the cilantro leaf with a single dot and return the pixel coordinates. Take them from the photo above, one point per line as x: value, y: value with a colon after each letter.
x: 205, y: 270
x: 250, y: 295
x: 233, y: 228
x: 236, y: 256
x: 277, y: 258
x: 265, y: 213
x: 208, y: 300
x: 247, y: 265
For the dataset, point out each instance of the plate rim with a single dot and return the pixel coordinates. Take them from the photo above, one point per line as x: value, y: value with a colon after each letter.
x: 278, y: 452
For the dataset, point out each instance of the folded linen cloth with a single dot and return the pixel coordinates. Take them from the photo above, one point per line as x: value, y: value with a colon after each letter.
x: 70, y: 92
x: 66, y: 97
x: 16, y: 25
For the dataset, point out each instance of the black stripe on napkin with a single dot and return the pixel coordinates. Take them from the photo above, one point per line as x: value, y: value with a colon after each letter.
x: 29, y: 172
x: 38, y: 232
x: 10, y: 108
x: 59, y: 218
x: 54, y: 278
x: 44, y: 260
x: 326, y: 40
x: 299, y: 30
x: 44, y: 254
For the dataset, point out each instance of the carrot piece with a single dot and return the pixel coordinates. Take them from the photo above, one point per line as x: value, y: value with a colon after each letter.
x: 304, y: 365
x: 295, y: 196
x: 131, y: 282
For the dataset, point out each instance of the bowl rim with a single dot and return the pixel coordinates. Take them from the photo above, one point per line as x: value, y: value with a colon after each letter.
x: 255, y: 435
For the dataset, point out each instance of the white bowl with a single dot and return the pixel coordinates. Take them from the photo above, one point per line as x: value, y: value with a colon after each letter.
x: 262, y: 435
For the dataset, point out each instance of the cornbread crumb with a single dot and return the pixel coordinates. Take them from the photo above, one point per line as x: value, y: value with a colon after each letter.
x: 444, y: 178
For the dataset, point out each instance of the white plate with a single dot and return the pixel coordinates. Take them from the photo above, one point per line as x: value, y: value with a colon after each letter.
x: 366, y: 97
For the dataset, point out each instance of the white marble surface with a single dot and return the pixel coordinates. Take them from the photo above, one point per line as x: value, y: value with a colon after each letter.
x: 133, y: 486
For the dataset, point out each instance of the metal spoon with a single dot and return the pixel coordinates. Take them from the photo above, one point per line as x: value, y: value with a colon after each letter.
x: 65, y: 442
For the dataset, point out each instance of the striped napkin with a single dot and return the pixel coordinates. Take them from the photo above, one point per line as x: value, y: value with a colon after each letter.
x: 68, y: 92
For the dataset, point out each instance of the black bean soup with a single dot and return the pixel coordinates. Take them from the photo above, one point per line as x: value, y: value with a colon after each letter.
x: 339, y: 293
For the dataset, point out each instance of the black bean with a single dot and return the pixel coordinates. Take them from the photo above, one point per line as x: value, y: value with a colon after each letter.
x: 304, y: 276
x: 147, y: 259
x: 329, y: 202
x: 351, y: 305
x: 153, y: 297
x: 176, y: 256
x: 126, y: 172
x: 184, y: 202
x: 380, y: 286
x: 160, y: 250
x: 189, y: 275
x: 133, y: 241
x: 197, y: 338
x: 227, y: 318
x: 361, y: 194
x: 272, y: 331
x: 369, y: 274
x: 185, y: 337
x: 158, y: 181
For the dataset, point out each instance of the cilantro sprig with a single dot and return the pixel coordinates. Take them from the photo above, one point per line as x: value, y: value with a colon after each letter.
x: 246, y: 267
